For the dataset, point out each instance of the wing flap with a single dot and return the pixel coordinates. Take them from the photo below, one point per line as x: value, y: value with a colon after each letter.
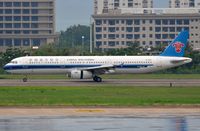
x: 100, y: 69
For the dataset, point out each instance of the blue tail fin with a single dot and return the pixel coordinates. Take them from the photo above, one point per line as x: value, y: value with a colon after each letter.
x: 177, y: 47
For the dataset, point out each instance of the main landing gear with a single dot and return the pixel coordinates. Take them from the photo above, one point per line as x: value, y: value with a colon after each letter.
x: 97, y: 79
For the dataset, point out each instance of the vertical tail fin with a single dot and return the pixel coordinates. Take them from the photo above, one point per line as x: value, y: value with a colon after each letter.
x: 177, y: 47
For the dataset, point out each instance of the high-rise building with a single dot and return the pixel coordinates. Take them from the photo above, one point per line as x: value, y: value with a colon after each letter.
x: 197, y: 3
x: 150, y: 27
x: 26, y: 23
x: 104, y: 6
x: 149, y: 30
x: 182, y: 3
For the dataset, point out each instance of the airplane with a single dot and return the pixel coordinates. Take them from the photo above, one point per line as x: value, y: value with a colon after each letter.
x: 90, y: 67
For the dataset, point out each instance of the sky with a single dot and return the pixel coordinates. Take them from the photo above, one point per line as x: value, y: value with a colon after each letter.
x: 73, y: 12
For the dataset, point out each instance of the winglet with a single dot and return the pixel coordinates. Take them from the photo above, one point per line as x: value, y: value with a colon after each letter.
x: 177, y: 47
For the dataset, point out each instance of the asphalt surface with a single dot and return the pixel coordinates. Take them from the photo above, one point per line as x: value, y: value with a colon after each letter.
x: 108, y: 123
x: 102, y: 119
x: 114, y: 82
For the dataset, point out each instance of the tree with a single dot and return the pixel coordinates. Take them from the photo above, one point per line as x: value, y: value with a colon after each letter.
x: 53, y: 50
x: 133, y: 49
x: 72, y: 37
x: 46, y: 50
x: 9, y: 55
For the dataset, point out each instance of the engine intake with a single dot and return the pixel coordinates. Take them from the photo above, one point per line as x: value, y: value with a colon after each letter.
x: 79, y: 74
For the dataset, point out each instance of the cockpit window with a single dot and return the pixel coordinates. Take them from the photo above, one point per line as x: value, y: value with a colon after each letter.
x: 13, y: 62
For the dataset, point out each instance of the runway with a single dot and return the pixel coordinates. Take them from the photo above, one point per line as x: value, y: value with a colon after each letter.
x: 107, y: 119
x: 109, y: 82
x: 108, y: 123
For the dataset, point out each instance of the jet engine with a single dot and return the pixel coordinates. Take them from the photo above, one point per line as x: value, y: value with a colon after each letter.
x: 79, y: 74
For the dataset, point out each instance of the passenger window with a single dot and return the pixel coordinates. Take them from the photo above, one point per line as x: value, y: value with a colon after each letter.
x: 13, y: 62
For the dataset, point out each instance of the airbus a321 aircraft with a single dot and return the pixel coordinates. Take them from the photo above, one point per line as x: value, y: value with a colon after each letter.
x: 90, y: 67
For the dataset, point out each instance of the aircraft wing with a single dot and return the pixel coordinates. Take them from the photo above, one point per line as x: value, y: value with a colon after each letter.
x: 103, y: 69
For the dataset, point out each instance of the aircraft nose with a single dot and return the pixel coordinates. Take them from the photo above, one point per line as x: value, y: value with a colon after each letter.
x: 5, y: 67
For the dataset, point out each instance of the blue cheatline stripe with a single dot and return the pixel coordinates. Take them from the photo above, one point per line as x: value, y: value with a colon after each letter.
x: 20, y: 67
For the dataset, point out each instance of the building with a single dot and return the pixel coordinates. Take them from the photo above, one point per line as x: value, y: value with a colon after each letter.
x: 149, y: 30
x: 182, y: 3
x: 197, y: 3
x: 106, y: 6
x: 150, y: 27
x: 26, y: 23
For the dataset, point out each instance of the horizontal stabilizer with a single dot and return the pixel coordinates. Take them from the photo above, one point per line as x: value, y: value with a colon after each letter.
x: 181, y: 61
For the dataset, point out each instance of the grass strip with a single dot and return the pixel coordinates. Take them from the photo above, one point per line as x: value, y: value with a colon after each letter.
x: 121, y: 76
x: 99, y: 96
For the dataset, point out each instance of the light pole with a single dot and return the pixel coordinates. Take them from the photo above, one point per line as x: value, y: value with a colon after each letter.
x: 83, y: 37
x: 91, y: 27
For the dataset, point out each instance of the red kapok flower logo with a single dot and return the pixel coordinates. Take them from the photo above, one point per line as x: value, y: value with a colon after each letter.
x: 178, y: 46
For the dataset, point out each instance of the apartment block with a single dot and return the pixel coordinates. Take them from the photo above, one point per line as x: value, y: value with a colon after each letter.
x: 106, y: 6
x: 148, y: 30
x: 150, y: 27
x: 26, y: 23
x: 197, y: 3
x: 182, y: 3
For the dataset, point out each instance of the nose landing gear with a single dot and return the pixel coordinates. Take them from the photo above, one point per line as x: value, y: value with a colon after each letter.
x: 25, y: 79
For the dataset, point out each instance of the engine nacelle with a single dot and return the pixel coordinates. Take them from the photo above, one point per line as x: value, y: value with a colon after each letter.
x: 79, y: 74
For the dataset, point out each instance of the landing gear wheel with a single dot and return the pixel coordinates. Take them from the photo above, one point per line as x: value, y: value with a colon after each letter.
x: 25, y: 79
x: 97, y: 79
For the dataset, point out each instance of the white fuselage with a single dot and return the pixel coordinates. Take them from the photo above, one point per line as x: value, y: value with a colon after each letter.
x: 66, y: 64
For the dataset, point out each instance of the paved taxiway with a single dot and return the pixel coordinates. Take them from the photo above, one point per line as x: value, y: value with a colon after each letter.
x: 98, y: 111
x: 163, y: 120
x: 100, y: 119
x: 115, y: 82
